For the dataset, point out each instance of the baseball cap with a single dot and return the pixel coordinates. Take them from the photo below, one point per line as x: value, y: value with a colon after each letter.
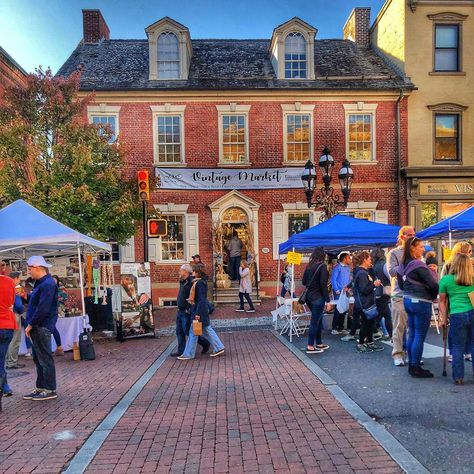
x: 38, y: 261
x: 187, y: 268
x: 196, y: 256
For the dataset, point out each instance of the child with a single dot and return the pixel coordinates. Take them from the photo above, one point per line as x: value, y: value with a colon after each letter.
x: 245, y: 287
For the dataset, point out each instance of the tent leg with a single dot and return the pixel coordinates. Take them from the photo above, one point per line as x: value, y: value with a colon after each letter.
x: 278, y: 290
x: 81, y: 281
x: 292, y: 286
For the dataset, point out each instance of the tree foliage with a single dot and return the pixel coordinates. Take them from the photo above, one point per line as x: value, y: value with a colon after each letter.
x: 51, y: 157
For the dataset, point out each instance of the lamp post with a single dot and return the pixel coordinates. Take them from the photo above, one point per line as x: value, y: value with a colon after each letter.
x: 325, y: 199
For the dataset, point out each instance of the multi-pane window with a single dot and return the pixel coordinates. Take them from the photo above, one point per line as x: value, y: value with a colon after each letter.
x: 168, y: 56
x: 295, y: 56
x: 169, y: 138
x: 360, y: 137
x: 172, y: 245
x: 115, y: 254
x: 105, y: 122
x: 297, y: 222
x: 233, y: 139
x: 447, y: 137
x: 447, y: 48
x: 298, y: 137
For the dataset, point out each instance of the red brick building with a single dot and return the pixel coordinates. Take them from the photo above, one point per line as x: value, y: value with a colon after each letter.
x: 218, y: 120
x: 11, y: 73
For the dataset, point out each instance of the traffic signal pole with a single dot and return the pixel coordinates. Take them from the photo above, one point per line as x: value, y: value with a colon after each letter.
x: 145, y: 231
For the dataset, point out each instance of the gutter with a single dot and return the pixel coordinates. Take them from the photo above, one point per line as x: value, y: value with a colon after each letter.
x: 399, y: 158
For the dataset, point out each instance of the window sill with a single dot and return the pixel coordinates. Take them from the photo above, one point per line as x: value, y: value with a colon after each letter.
x: 364, y: 163
x: 234, y: 165
x: 295, y: 163
x: 447, y: 162
x: 446, y: 73
x: 170, y: 165
x: 170, y: 262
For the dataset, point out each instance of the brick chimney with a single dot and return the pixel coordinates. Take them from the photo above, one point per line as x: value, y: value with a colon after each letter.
x: 357, y: 27
x: 94, y: 26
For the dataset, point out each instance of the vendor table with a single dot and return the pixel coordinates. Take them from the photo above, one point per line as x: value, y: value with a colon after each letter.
x: 69, y: 330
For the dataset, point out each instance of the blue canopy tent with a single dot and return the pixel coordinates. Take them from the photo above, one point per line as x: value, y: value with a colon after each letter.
x: 460, y: 226
x: 26, y: 231
x: 342, y: 232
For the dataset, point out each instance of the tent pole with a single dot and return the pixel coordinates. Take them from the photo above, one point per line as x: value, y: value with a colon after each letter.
x: 81, y: 280
x: 292, y: 286
x: 278, y: 290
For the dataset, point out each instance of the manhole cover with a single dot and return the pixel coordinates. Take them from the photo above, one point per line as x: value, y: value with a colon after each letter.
x: 17, y: 373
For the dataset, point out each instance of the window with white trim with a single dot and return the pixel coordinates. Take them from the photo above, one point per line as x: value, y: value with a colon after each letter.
x: 234, y: 139
x: 298, y: 222
x: 295, y: 56
x: 115, y: 254
x: 168, y: 56
x: 173, y: 244
x: 298, y: 137
x: 360, y: 132
x: 106, y: 118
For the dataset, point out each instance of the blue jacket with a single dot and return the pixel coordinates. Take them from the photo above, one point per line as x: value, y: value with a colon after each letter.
x: 18, y: 307
x: 43, y: 304
x: 341, y: 277
x: 201, y: 305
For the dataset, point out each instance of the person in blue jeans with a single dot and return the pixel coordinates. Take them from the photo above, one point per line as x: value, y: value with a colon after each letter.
x: 454, y: 290
x: 315, y: 279
x: 200, y: 312
x: 420, y: 289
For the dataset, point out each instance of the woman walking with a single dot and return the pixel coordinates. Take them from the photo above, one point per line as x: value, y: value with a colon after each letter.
x: 382, y: 297
x: 200, y: 312
x: 245, y: 288
x: 454, y: 292
x: 364, y: 293
x: 420, y: 289
x: 315, y: 279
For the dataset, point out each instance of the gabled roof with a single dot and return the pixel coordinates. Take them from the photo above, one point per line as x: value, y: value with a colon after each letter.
x: 295, y: 20
x: 230, y: 64
x: 168, y: 20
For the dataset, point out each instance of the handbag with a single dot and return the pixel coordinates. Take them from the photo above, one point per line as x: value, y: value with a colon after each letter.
x: 86, y: 346
x: 197, y: 327
x: 343, y: 303
x: 302, y: 298
x: 371, y: 312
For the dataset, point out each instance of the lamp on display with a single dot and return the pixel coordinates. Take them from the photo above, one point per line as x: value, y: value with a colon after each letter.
x: 326, y: 200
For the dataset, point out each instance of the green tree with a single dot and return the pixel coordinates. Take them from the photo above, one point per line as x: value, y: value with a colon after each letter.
x: 51, y: 157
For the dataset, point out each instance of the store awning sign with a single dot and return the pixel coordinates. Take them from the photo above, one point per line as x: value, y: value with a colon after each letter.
x: 206, y: 179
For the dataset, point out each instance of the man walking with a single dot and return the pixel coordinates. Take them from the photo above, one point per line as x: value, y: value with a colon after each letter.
x: 11, y: 360
x: 234, y: 247
x: 41, y: 317
x: 183, y: 315
x: 399, y: 315
x: 340, y: 278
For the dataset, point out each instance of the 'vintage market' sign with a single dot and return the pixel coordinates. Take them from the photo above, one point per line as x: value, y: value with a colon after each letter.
x: 228, y: 178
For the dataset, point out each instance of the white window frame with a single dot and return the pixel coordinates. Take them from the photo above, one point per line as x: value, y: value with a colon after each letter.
x: 297, y: 109
x: 158, y: 60
x: 361, y: 108
x: 233, y: 109
x: 168, y: 110
x: 104, y: 110
x: 185, y: 236
x: 302, y: 36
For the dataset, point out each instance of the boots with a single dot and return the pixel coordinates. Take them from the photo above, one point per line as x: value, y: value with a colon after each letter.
x: 418, y: 372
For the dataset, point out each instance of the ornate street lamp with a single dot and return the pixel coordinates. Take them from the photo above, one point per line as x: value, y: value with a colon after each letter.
x: 326, y: 200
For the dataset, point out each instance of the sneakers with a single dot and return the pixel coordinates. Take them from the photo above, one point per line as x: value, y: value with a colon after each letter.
x: 322, y: 346
x: 30, y: 396
x: 59, y: 351
x: 175, y: 354
x: 181, y: 357
x: 386, y: 338
x: 335, y: 332
x: 16, y: 366
x: 315, y: 350
x: 348, y: 338
x: 240, y: 310
x: 218, y: 353
x: 251, y: 310
x: 364, y: 348
x: 375, y: 347
x: 377, y: 336
x: 40, y: 395
x: 418, y: 372
x: 398, y: 362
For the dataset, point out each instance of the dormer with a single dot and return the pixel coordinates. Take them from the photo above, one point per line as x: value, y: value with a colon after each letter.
x: 170, y: 50
x: 292, y: 50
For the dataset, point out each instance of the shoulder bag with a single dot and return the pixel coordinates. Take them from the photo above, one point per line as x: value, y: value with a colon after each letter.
x: 371, y: 312
x: 302, y: 298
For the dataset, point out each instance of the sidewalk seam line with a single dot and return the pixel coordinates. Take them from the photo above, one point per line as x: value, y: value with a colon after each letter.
x: 81, y: 460
x: 392, y: 446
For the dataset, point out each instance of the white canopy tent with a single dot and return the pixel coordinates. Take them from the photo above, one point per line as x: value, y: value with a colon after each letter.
x: 26, y: 231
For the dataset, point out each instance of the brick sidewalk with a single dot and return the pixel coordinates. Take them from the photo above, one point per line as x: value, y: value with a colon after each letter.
x: 87, y: 392
x: 257, y: 409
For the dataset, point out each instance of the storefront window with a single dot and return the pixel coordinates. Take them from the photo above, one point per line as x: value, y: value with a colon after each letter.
x: 450, y: 208
x: 429, y: 214
x: 297, y: 223
x: 172, y: 245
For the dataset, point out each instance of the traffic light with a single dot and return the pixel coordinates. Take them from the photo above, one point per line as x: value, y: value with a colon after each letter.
x: 157, y: 227
x: 143, y: 185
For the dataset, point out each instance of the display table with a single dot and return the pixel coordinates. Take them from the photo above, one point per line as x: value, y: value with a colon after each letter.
x: 69, y: 330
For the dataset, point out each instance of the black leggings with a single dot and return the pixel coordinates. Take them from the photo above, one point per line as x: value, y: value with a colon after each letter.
x: 355, y: 322
x: 366, y: 329
x: 247, y: 297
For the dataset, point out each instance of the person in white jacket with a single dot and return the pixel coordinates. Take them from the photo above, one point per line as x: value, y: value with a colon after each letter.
x: 245, y: 287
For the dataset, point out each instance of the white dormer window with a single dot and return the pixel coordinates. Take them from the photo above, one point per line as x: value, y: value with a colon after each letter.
x: 168, y: 56
x: 295, y: 56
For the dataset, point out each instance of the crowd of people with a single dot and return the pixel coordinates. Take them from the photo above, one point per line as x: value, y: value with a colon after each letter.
x: 390, y: 297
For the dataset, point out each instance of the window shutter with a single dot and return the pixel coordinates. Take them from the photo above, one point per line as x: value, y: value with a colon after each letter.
x: 127, y: 251
x: 381, y: 217
x: 154, y: 249
x: 279, y: 234
x: 191, y: 235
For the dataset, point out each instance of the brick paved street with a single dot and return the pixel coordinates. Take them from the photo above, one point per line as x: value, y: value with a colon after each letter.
x: 87, y: 392
x: 258, y: 409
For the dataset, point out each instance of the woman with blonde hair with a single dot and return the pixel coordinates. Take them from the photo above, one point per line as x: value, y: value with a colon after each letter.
x: 454, y: 290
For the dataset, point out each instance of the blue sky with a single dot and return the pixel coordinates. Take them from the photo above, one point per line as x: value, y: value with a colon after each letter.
x: 45, y: 32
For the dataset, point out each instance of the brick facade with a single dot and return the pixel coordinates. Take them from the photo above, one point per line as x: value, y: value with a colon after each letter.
x: 11, y: 73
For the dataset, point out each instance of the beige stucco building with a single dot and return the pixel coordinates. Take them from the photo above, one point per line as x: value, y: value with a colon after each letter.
x: 432, y: 42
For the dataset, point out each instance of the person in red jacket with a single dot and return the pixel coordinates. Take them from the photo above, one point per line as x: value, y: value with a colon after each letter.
x: 7, y: 325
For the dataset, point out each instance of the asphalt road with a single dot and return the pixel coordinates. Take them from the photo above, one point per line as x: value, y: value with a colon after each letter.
x: 432, y: 418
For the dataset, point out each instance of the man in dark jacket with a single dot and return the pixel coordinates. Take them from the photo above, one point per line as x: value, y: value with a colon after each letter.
x: 41, y: 318
x: 183, y: 315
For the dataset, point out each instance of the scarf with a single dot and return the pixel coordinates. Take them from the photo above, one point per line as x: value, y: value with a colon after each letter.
x: 192, y: 293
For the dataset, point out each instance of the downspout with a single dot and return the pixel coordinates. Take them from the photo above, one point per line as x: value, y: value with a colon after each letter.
x: 399, y: 159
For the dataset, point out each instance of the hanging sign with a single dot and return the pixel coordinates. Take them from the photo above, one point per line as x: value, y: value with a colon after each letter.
x: 228, y: 178
x: 294, y: 257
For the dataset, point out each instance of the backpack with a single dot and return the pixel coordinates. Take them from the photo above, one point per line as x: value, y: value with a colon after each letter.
x: 404, y: 272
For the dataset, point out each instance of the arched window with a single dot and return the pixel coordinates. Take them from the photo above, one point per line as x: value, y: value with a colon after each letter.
x: 168, y: 56
x: 295, y: 56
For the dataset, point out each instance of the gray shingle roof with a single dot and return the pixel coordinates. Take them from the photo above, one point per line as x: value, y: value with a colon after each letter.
x: 230, y: 64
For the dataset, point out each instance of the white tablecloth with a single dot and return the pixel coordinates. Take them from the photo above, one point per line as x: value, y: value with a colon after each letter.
x: 69, y: 330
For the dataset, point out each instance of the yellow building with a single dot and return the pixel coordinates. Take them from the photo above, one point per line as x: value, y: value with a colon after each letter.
x: 432, y: 42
